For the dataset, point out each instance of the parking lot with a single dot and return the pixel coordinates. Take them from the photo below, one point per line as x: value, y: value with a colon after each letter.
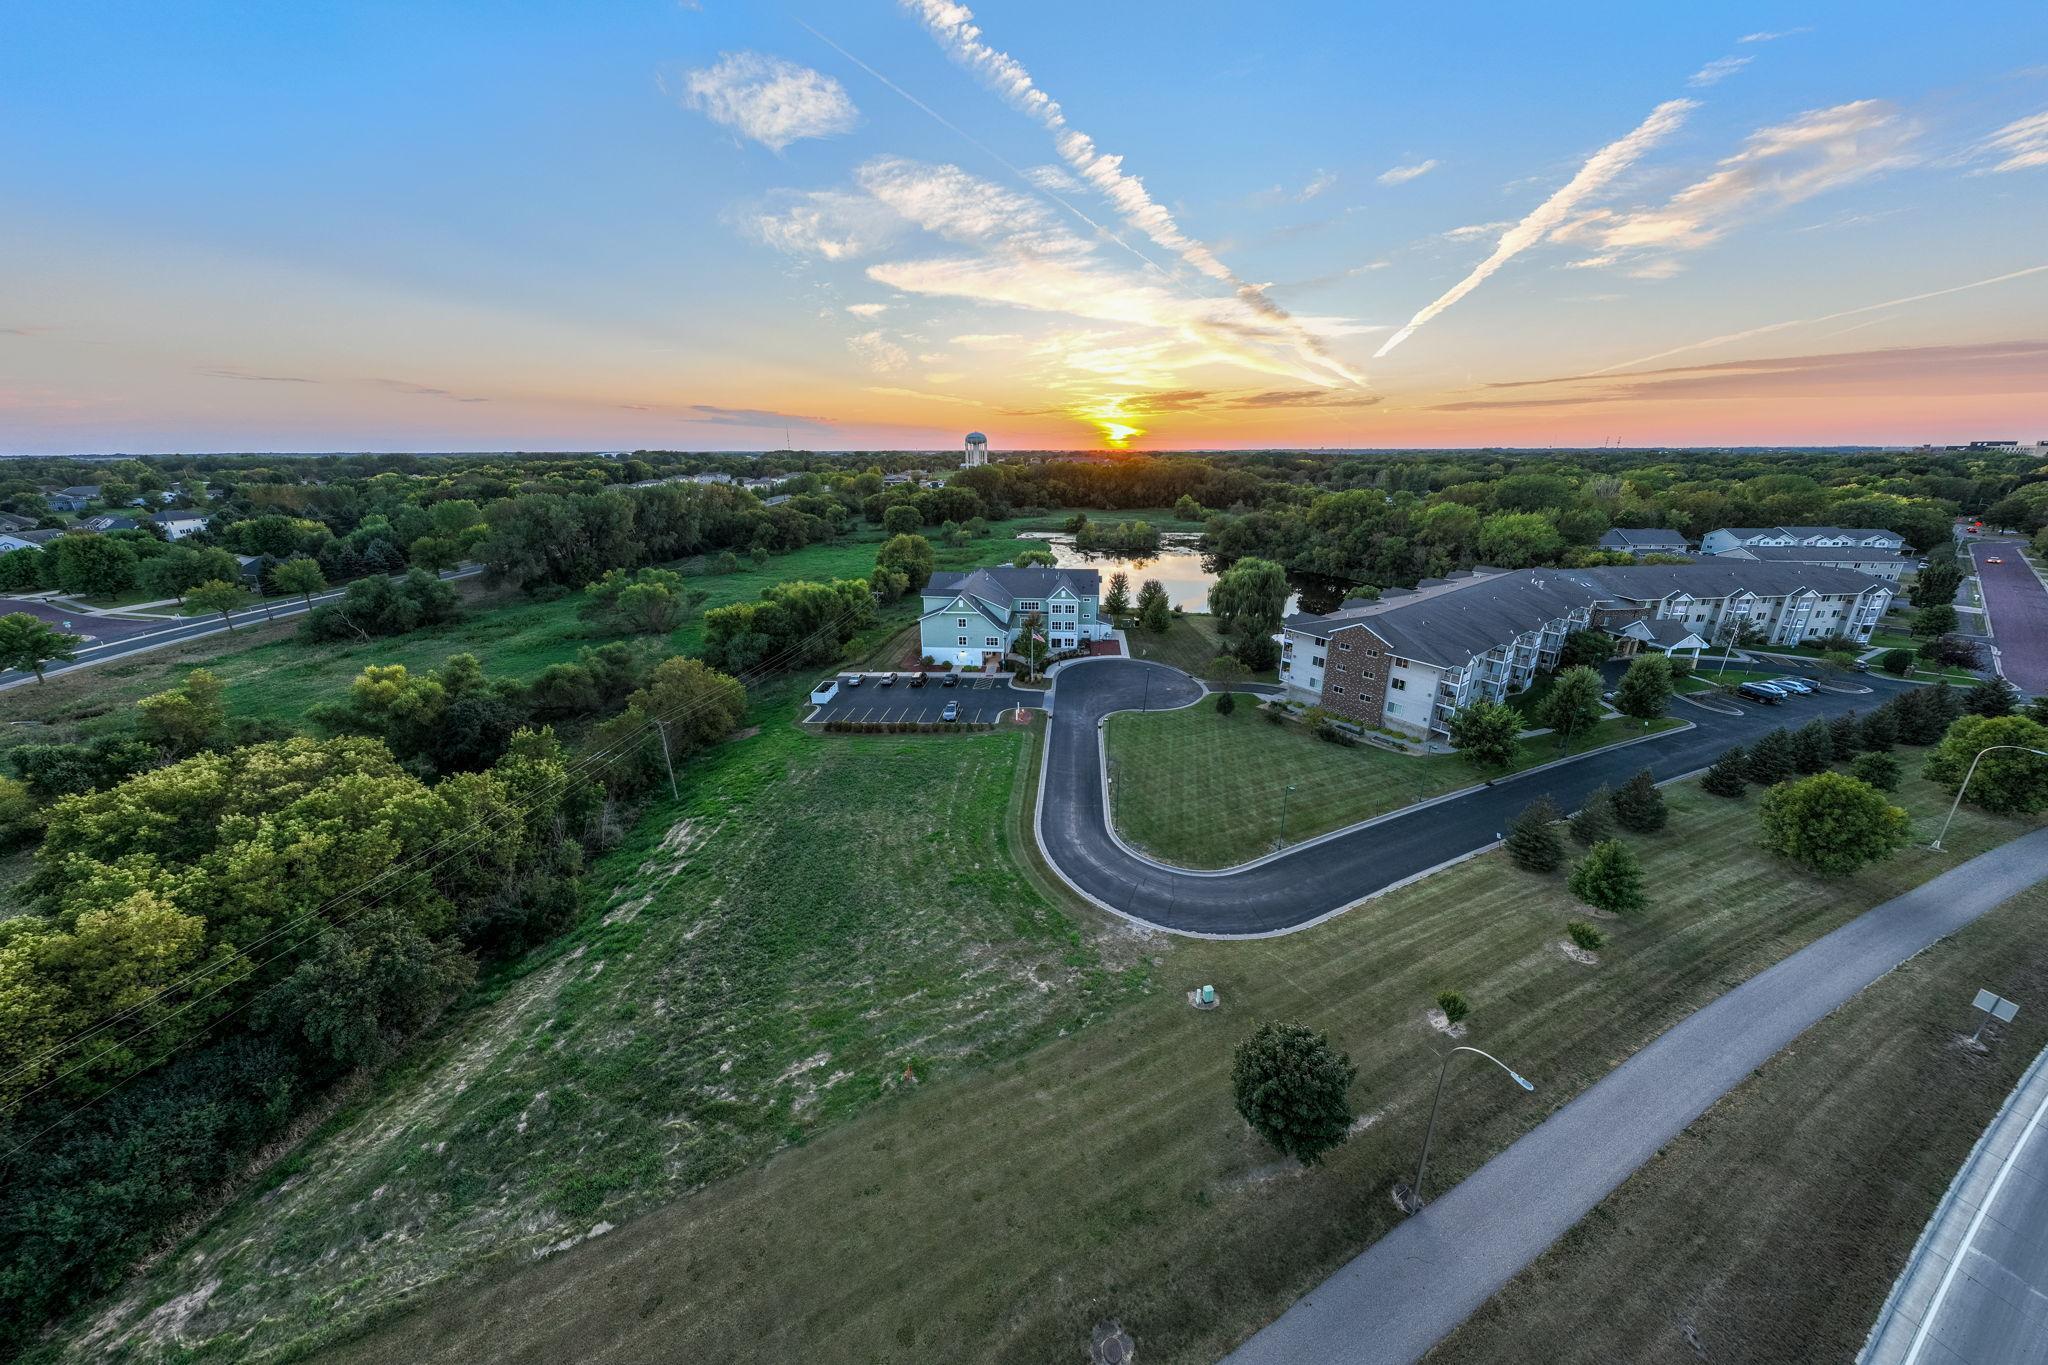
x: 980, y: 699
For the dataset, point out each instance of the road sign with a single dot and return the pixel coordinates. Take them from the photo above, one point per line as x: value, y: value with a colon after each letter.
x: 1994, y: 1007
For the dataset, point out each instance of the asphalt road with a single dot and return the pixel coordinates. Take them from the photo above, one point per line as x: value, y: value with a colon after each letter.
x: 151, y: 637
x: 1315, y: 880
x: 95, y: 628
x: 1976, y: 1288
x: 2018, y: 608
x: 1413, y: 1286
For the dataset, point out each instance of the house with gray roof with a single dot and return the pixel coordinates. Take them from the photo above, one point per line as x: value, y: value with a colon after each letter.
x: 973, y: 619
x: 1637, y: 540
x: 1779, y: 537
x: 73, y: 498
x: 14, y: 521
x: 1411, y: 658
x: 1886, y: 564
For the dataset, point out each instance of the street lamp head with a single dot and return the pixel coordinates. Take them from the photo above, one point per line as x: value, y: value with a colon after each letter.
x: 1522, y: 1080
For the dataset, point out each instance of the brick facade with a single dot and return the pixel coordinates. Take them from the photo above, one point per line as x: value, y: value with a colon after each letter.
x: 1361, y: 671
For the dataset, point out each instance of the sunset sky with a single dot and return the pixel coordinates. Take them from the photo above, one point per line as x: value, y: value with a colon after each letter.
x: 728, y: 226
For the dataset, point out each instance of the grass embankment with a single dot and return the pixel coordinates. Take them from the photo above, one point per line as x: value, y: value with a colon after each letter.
x: 1199, y: 789
x: 1190, y: 644
x: 1000, y: 1215
x: 1774, y: 1228
x: 819, y: 924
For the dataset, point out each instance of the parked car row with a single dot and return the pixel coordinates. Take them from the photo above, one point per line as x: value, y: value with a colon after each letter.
x: 1772, y: 691
x: 917, y: 679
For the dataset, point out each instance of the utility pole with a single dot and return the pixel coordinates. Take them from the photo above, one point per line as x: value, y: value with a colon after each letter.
x: 661, y: 728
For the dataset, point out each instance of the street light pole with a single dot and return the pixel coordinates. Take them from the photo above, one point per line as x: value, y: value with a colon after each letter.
x: 1286, y: 809
x: 1957, y: 803
x: 1411, y: 1199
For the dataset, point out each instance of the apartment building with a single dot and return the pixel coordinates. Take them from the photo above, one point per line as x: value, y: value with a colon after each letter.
x: 1409, y: 659
x: 1886, y: 564
x: 1778, y: 537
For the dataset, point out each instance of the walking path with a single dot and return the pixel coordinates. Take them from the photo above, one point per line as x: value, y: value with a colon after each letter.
x: 1413, y: 1286
x: 1976, y: 1288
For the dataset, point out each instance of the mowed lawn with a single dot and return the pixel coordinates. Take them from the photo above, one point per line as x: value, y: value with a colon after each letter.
x: 821, y: 924
x: 1000, y: 1214
x: 1198, y: 789
x: 1783, y: 1215
x: 1190, y: 644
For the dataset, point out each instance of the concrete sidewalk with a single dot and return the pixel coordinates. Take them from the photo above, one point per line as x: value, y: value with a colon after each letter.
x: 1976, y: 1288
x: 1408, y: 1290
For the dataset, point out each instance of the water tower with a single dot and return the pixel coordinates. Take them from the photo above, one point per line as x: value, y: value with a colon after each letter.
x: 977, y: 449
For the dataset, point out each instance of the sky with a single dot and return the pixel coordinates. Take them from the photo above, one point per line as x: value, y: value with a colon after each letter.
x: 872, y: 224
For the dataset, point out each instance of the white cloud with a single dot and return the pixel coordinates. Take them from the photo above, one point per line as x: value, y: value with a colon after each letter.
x: 1401, y: 175
x: 831, y: 224
x: 1052, y: 180
x: 1319, y: 182
x: 1474, y: 231
x: 1772, y: 37
x: 1594, y: 176
x: 2020, y: 145
x: 770, y: 100
x: 880, y: 354
x: 1718, y: 70
x: 950, y: 203
x: 867, y: 310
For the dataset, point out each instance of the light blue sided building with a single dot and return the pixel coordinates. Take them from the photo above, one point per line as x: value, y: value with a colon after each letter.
x: 973, y: 619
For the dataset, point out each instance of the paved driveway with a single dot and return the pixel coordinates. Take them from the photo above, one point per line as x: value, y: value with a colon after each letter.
x: 85, y: 624
x: 983, y: 699
x: 1316, y: 880
x: 2018, y: 607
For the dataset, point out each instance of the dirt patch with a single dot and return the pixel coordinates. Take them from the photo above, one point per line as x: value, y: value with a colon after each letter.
x: 1439, y: 1021
x: 1578, y: 954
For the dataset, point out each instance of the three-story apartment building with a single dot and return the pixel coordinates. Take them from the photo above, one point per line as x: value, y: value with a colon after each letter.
x: 974, y: 618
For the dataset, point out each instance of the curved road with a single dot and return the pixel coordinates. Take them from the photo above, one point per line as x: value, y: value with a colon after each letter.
x: 1315, y: 880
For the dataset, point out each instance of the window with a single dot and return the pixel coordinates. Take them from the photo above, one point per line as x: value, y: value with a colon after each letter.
x: 1317, y: 661
x: 960, y: 623
x: 1368, y: 674
x: 1344, y: 645
x: 1338, y: 690
x: 963, y: 639
x: 1028, y: 606
x: 1399, y: 684
x: 994, y: 642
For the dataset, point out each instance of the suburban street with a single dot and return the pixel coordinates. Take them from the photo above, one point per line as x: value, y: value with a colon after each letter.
x: 1290, y: 890
x: 2017, y: 607
x: 117, y: 638
x: 1405, y: 1292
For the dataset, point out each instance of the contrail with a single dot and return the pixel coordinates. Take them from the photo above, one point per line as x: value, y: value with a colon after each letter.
x: 1604, y: 165
x: 952, y: 25
x: 1768, y: 328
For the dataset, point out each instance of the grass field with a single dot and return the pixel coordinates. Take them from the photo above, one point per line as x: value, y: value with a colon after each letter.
x: 818, y: 925
x: 997, y: 1216
x: 1783, y: 1215
x: 1198, y: 789
x: 1189, y: 644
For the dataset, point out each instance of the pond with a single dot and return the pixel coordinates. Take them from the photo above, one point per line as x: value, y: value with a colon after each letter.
x: 1182, y: 569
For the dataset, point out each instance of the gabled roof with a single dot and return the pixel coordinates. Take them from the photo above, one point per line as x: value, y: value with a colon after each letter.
x: 80, y: 490
x: 1645, y: 536
x: 1664, y: 632
x: 182, y: 514
x: 974, y: 604
x: 1814, y: 554
x: 1005, y: 587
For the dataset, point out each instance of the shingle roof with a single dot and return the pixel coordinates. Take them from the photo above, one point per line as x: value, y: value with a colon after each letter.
x: 1005, y: 586
x: 1819, y: 554
x: 182, y: 514
x: 1640, y: 535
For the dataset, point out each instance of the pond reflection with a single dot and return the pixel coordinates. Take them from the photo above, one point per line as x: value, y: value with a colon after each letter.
x: 1183, y: 570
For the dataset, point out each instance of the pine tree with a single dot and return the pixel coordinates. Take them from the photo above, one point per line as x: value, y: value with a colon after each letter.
x: 1729, y: 775
x: 1610, y: 878
x: 1812, y: 748
x: 1533, y: 842
x: 1845, y: 736
x: 1880, y: 730
x: 1770, y: 759
x: 1639, y: 806
x: 1226, y: 702
x: 1595, y: 819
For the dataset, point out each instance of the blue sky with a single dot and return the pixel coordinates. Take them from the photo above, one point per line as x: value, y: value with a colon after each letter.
x: 439, y: 226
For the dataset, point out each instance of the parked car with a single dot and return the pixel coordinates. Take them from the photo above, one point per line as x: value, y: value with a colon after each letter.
x: 1760, y: 692
x: 952, y: 711
x: 1794, y: 684
x: 950, y: 680
x: 886, y: 680
x: 917, y: 678
x: 853, y: 681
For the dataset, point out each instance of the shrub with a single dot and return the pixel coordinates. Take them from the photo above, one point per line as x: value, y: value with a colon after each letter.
x: 1534, y: 842
x: 1897, y: 662
x: 1831, y: 824
x: 1293, y: 1089
x: 1226, y: 702
x: 1594, y: 820
x: 1879, y: 770
x: 2009, y: 781
x: 1585, y: 935
x: 1639, y: 806
x: 1730, y: 774
x: 1453, y: 1005
x: 1610, y: 877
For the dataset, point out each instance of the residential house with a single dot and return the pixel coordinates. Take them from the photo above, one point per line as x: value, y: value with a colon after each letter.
x: 1411, y: 658
x: 181, y: 523
x: 250, y: 570
x: 1885, y: 564
x: 9, y: 541
x: 106, y: 522
x: 74, y: 498
x: 12, y: 521
x: 975, y: 618
x: 1641, y: 541
x: 1778, y: 537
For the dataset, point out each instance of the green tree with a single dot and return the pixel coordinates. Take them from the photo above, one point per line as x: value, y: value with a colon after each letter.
x: 1881, y: 771
x: 1154, y: 612
x: 2009, y: 781
x: 29, y: 643
x: 1484, y: 733
x: 1639, y: 805
x: 1645, y: 689
x: 1035, y: 559
x: 909, y: 555
x: 93, y: 565
x: 1515, y: 540
x: 1879, y: 731
x: 1992, y: 697
x: 1897, y: 662
x: 1186, y: 508
x: 1585, y: 649
x: 1813, y: 747
x: 1294, y: 1090
x: 1935, y: 585
x: 217, y: 596
x: 1770, y: 759
x: 1117, y: 602
x: 1455, y: 1007
x: 1831, y: 823
x: 902, y: 519
x: 1610, y: 878
x: 433, y: 553
x: 186, y: 719
x: 1226, y: 702
x: 1572, y: 706
x: 1533, y: 841
x: 366, y: 987
x: 1929, y: 622
x: 1730, y: 774
x: 301, y: 577
x: 1248, y: 600
x: 1845, y: 736
x: 685, y: 702
x: 1594, y: 819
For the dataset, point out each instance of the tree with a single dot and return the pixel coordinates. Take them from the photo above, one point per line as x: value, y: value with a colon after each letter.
x: 1294, y: 1090
x: 1845, y: 736
x: 1929, y: 622
x: 1484, y: 733
x: 902, y: 519
x: 1881, y: 771
x: 1610, y: 878
x: 1992, y: 697
x: 94, y: 565
x: 1813, y: 747
x: 909, y: 555
x: 684, y: 702
x: 366, y: 987
x: 1594, y: 820
x: 1639, y: 806
x: 1572, y: 707
x: 1897, y: 662
x: 1248, y: 600
x: 1515, y: 540
x: 1035, y: 559
x: 1770, y: 759
x: 1154, y: 612
x: 1586, y: 649
x: 1831, y: 823
x: 216, y: 595
x: 1879, y: 731
x: 28, y: 643
x: 1117, y: 603
x: 1730, y: 774
x: 1646, y: 688
x: 1455, y: 1007
x: 1186, y: 508
x: 642, y: 601
x: 1533, y: 841
x: 187, y: 719
x: 1953, y: 651
x: 2009, y: 781
x: 301, y: 577
x: 183, y: 567
x: 1226, y: 702
x: 1935, y: 585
